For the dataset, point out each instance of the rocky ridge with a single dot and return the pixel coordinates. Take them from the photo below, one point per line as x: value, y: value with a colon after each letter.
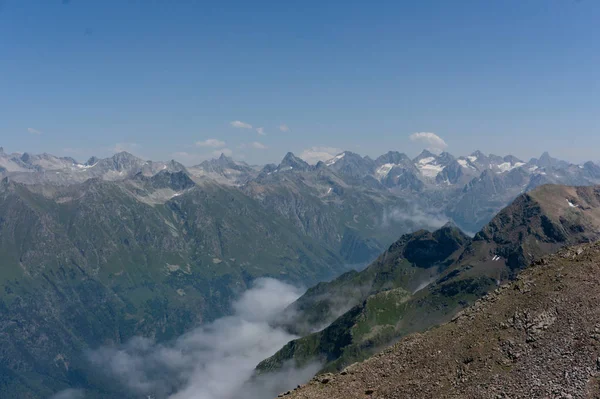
x: 535, y: 337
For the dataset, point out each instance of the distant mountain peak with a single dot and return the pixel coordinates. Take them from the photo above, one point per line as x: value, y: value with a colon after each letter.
x: 26, y: 157
x: 393, y: 157
x: 92, y: 161
x: 425, y: 154
x: 224, y: 157
x: 292, y: 161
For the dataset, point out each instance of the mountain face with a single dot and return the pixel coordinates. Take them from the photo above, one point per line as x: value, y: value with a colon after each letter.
x: 224, y: 170
x: 425, y: 278
x: 537, y: 336
x: 100, y: 262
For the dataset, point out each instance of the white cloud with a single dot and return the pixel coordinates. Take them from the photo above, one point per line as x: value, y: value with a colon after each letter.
x: 315, y: 154
x: 241, y: 125
x: 284, y: 128
x: 214, y: 143
x: 225, y: 151
x: 261, y: 131
x: 214, y: 361
x: 259, y: 146
x: 33, y: 131
x: 431, y: 140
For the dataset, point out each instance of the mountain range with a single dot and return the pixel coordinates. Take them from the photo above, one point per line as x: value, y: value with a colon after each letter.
x: 99, y: 252
x: 468, y: 190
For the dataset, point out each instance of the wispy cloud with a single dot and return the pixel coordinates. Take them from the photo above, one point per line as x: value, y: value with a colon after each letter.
x: 258, y: 146
x: 214, y: 361
x: 431, y: 140
x: 261, y: 131
x: 34, y: 131
x: 241, y: 125
x: 214, y: 143
x: 315, y: 154
x: 284, y: 128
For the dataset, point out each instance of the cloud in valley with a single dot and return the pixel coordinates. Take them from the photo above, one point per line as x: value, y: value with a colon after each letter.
x: 432, y: 141
x: 315, y: 154
x: 214, y: 143
x: 241, y: 125
x: 69, y: 394
x: 419, y: 218
x: 214, y: 361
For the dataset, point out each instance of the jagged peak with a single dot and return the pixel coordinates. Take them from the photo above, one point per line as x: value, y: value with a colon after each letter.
x: 224, y: 157
x: 511, y: 158
x: 92, y: 161
x: 26, y: 157
x: 124, y: 155
x: 478, y: 153
x: 425, y: 154
x: 392, y: 157
x: 290, y: 160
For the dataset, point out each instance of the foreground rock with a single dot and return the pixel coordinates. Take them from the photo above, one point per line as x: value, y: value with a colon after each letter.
x: 536, y: 337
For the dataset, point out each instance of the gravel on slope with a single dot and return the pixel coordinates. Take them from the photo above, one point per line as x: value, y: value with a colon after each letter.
x: 536, y: 337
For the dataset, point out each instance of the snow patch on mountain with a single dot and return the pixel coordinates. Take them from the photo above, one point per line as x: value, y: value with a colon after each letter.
x: 384, y: 169
x: 507, y: 166
x: 428, y: 167
x: 335, y: 159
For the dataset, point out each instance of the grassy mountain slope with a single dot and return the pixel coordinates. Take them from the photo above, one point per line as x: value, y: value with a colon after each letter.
x: 100, y: 262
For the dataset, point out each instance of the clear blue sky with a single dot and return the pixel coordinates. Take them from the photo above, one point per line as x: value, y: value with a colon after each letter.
x: 157, y: 76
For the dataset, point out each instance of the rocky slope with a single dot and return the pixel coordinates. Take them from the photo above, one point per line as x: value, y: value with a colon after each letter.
x: 535, y: 337
x: 458, y: 269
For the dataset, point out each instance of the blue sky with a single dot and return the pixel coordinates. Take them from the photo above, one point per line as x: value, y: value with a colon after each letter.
x: 161, y: 77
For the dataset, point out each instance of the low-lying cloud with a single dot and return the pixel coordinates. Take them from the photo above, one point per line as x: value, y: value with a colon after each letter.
x: 214, y: 361
x: 69, y: 394
x: 419, y: 218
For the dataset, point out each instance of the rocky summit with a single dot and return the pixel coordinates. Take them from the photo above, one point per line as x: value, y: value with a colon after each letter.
x: 535, y: 337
